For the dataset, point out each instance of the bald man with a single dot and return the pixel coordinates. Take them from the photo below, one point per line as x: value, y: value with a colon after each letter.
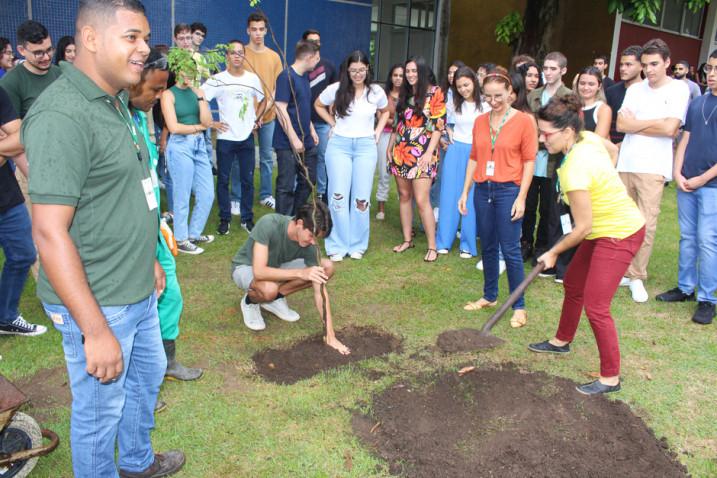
x: 95, y: 225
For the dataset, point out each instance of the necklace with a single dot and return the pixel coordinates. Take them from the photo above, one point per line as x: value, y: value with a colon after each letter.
x: 703, y: 112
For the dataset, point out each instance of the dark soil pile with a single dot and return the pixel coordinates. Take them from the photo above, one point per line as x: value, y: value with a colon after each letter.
x: 47, y: 389
x: 466, y: 340
x: 308, y: 357
x: 505, y: 423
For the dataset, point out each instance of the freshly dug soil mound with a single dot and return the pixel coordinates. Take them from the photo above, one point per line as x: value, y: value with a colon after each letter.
x: 505, y: 423
x: 308, y: 357
x: 466, y: 340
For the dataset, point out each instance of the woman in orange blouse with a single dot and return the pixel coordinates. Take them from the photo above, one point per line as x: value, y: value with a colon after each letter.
x: 413, y: 150
x: 505, y: 142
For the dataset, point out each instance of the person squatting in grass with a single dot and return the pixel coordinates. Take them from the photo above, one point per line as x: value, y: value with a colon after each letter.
x: 351, y: 154
x: 96, y: 225
x: 695, y: 173
x: 502, y: 157
x: 608, y: 232
x: 142, y: 97
x: 467, y: 106
x: 413, y: 150
x: 279, y: 259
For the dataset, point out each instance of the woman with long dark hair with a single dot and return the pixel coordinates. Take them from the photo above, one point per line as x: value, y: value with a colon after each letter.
x: 505, y: 143
x: 467, y: 107
x: 65, y: 50
x: 351, y: 153
x: 531, y: 76
x: 608, y: 231
x: 597, y: 115
x: 392, y: 88
x: 413, y: 150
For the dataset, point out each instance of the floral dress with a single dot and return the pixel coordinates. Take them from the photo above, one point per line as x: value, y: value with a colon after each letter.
x: 413, y: 134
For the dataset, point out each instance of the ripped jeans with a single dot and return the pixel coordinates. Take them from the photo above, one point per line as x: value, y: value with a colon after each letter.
x: 350, y: 166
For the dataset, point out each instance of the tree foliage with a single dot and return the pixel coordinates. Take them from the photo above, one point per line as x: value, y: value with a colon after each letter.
x: 509, y: 28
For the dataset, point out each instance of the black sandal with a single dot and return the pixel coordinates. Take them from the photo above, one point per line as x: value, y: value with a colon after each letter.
x: 435, y: 255
x: 398, y: 249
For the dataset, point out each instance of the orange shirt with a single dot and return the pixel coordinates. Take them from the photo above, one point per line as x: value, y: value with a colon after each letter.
x: 517, y: 144
x: 267, y: 66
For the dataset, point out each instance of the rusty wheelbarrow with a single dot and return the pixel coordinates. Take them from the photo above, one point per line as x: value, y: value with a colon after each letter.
x: 20, y: 435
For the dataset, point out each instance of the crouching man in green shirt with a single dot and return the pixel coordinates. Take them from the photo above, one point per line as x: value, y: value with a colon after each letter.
x: 280, y: 258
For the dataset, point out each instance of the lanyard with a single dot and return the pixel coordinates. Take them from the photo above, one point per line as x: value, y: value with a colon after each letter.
x: 127, y: 120
x: 494, y: 137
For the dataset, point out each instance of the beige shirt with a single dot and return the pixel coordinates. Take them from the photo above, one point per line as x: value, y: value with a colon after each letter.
x: 267, y: 65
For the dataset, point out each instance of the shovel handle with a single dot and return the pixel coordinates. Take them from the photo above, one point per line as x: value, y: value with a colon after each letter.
x: 512, y: 298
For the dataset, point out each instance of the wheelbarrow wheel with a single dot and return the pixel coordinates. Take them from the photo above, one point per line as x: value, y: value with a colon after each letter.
x: 22, y: 433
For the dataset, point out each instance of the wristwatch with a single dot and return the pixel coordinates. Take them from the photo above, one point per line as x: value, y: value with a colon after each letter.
x: 200, y: 98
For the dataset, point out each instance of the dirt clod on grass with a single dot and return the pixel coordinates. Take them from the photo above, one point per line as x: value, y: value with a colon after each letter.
x: 506, y: 423
x: 466, y: 340
x: 47, y: 389
x: 311, y: 356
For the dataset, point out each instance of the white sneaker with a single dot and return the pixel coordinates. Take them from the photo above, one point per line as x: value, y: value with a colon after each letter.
x: 479, y: 266
x: 465, y: 255
x: 187, y: 247
x: 336, y: 258
x: 436, y: 212
x: 380, y: 216
x: 501, y: 267
x: 281, y: 309
x: 252, y: 315
x: 236, y: 208
x: 442, y: 251
x: 637, y: 288
x: 356, y: 255
x: 269, y: 202
x: 624, y: 282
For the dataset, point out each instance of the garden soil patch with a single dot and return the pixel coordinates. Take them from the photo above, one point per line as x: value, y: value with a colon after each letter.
x: 47, y: 389
x: 466, y: 340
x: 507, y: 423
x: 311, y: 356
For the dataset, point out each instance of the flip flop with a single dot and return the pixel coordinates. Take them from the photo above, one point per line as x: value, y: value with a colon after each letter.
x: 435, y: 256
x: 479, y: 304
x: 519, y: 319
x: 398, y: 249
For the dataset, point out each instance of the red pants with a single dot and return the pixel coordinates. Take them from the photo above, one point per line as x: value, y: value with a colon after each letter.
x: 591, y: 281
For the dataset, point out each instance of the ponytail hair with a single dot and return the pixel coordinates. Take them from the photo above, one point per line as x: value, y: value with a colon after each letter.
x: 563, y: 112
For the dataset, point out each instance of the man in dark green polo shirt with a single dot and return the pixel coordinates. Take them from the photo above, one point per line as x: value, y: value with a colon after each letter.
x: 96, y: 222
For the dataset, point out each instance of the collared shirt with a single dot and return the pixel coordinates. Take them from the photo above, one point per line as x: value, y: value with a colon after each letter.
x: 83, y: 155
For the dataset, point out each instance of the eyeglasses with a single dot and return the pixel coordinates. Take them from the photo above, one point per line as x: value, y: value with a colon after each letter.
x: 360, y: 71
x: 709, y: 69
x: 6, y: 52
x: 548, y: 134
x: 40, y: 54
x: 184, y: 38
x: 158, y: 64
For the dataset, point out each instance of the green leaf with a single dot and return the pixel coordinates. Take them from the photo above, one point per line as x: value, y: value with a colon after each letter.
x: 509, y: 28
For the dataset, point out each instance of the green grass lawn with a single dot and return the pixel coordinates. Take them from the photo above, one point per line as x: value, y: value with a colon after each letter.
x: 232, y: 423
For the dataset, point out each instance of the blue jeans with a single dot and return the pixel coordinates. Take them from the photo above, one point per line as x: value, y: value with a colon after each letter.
x: 163, y: 173
x: 20, y: 254
x: 493, y: 202
x: 292, y: 187
x: 235, y: 175
x: 121, y: 411
x: 241, y: 155
x: 697, y: 214
x: 453, y: 175
x: 350, y: 166
x: 322, y: 130
x: 191, y: 172
x: 266, y: 160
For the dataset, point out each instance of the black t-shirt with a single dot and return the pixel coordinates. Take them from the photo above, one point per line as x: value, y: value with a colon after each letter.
x: 607, y: 82
x: 322, y: 76
x: 10, y: 194
x: 615, y: 95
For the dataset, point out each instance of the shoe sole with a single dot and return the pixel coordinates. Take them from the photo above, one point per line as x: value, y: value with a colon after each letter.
x: 554, y: 352
x: 174, y: 378
x: 284, y: 318
x: 23, y: 334
x: 191, y: 253
x: 598, y: 393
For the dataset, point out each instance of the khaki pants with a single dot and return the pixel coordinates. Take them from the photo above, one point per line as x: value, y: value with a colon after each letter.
x: 646, y: 190
x: 22, y: 181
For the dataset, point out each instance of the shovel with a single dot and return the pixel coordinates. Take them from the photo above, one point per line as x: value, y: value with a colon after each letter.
x: 492, y: 340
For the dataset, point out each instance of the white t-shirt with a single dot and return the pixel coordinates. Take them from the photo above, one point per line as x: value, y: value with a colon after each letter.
x: 464, y: 119
x: 640, y: 153
x: 235, y: 96
x: 359, y: 121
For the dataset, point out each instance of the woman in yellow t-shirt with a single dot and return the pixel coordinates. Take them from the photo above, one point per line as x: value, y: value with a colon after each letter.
x: 608, y: 231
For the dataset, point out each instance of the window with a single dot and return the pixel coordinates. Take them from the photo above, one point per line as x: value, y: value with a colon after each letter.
x: 399, y: 29
x: 675, y: 17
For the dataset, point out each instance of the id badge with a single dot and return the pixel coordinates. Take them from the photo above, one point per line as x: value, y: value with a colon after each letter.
x: 155, y: 180
x: 490, y: 168
x: 566, y: 224
x: 149, y: 194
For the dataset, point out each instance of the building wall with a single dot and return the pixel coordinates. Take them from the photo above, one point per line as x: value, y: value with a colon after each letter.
x: 681, y: 48
x: 344, y: 26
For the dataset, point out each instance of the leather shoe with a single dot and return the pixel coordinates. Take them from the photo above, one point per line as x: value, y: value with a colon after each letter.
x: 596, y: 388
x: 548, y: 348
x: 165, y: 464
x: 675, y: 295
x: 704, y: 314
